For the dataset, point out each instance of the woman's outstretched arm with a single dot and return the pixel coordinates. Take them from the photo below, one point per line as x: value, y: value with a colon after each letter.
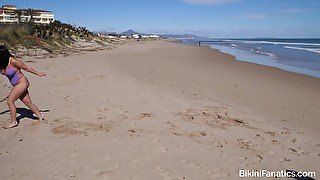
x: 19, y: 64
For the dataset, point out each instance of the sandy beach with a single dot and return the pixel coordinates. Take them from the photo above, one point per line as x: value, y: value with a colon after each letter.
x: 160, y: 110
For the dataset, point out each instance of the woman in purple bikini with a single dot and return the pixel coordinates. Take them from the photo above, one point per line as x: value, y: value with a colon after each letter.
x: 11, y: 67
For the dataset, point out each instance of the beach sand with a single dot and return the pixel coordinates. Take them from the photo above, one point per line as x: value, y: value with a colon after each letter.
x: 160, y: 110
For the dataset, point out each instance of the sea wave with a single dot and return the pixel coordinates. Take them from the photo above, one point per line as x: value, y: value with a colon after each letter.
x: 278, y: 43
x: 267, y: 54
x: 315, y: 50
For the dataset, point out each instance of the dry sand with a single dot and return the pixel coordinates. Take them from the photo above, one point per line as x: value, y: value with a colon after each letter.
x: 157, y: 110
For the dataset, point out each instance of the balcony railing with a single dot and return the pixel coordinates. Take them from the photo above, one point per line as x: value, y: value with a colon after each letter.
x: 10, y: 16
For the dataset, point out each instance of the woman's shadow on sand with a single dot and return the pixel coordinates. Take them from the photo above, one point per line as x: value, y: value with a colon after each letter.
x: 24, y: 113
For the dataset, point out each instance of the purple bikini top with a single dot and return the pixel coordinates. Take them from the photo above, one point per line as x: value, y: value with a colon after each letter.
x: 12, y: 75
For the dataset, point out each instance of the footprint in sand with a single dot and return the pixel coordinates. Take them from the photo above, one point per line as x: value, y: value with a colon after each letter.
x: 285, y: 160
x: 163, y: 149
x: 144, y: 116
x: 135, y: 132
x: 212, y: 116
x: 66, y: 98
x: 253, y: 160
x: 217, y: 173
x: 101, y: 113
x: 246, y: 144
x: 273, y: 134
x: 276, y: 142
x: 298, y: 152
x: 107, y: 172
x: 163, y: 172
x: 222, y: 144
x: 201, y: 137
x: 198, y: 134
x: 195, y: 97
x: 154, y: 142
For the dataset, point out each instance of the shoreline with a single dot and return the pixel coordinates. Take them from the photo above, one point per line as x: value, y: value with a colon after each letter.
x: 269, y: 66
x: 162, y: 110
x: 247, y: 56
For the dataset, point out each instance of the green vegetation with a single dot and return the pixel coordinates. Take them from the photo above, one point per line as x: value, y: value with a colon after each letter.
x: 50, y: 37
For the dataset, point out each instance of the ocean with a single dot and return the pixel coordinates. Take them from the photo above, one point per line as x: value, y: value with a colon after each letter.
x: 294, y: 55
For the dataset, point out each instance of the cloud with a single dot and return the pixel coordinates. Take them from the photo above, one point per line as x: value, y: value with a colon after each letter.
x: 208, y: 1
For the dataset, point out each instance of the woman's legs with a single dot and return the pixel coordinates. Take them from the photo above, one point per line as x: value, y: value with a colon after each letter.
x: 25, y: 98
x: 15, y: 93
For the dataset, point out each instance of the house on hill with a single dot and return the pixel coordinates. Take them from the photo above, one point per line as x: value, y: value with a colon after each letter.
x: 10, y: 14
x: 42, y: 16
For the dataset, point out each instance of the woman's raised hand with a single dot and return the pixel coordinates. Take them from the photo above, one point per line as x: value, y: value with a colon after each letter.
x: 41, y: 74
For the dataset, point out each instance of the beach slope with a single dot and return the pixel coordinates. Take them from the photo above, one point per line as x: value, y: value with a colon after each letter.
x: 160, y: 110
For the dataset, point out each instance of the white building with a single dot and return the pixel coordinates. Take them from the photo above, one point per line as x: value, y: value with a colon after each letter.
x: 10, y: 14
x: 102, y: 35
x: 42, y: 16
x: 136, y: 36
x: 154, y: 36
x: 111, y: 37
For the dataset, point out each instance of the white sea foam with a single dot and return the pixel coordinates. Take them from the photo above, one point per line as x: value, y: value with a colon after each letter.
x: 277, y: 43
x: 315, y: 50
x: 266, y: 53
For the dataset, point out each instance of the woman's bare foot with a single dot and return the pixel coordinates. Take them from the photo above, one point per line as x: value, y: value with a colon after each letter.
x: 11, y: 125
x: 41, y: 117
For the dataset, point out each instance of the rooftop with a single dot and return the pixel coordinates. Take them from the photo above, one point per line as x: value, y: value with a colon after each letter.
x: 13, y: 8
x: 9, y: 6
x: 1, y: 8
x: 36, y: 10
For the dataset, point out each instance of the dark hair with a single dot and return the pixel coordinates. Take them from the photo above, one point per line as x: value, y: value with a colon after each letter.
x: 4, y: 56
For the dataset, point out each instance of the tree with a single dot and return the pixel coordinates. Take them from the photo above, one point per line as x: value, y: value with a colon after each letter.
x: 30, y: 13
x: 18, y: 14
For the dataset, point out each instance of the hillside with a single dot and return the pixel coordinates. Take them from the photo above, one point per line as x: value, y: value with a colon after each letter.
x: 48, y: 40
x: 130, y: 32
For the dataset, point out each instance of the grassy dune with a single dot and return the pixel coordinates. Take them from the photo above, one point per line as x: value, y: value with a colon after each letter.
x: 52, y: 38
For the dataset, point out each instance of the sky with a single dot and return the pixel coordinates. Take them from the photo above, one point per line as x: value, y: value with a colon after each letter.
x: 209, y: 18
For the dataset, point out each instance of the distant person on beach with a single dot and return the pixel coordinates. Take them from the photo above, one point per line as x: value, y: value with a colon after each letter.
x: 11, y: 67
